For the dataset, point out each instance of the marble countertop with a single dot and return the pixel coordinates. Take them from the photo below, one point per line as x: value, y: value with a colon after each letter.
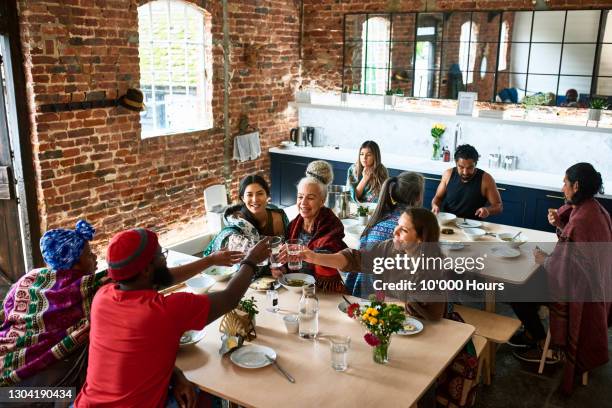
x: 521, y: 178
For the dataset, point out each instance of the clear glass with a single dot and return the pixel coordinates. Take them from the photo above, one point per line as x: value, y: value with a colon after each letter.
x: 294, y: 247
x: 275, y: 247
x: 272, y: 300
x: 339, y: 352
x: 308, y: 313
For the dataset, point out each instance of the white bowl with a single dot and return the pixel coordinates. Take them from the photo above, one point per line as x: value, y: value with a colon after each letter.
x: 200, y: 284
x: 287, y: 143
x: 191, y: 337
x: 220, y: 273
x: 506, y: 238
x: 355, y: 229
x: 285, y: 279
x: 474, y: 233
x: 445, y: 218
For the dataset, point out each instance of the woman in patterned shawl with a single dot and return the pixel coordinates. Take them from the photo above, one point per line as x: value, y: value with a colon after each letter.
x: 45, y: 315
x: 366, y: 176
x: 397, y: 194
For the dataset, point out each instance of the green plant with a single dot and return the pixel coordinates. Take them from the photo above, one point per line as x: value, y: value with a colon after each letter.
x: 399, y: 92
x: 249, y: 306
x: 389, y: 92
x: 362, y: 211
x: 598, y: 103
x: 346, y: 89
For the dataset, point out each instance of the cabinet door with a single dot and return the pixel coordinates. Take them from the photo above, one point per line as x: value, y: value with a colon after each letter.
x: 431, y: 185
x: 514, y: 200
x: 542, y: 202
x: 286, y: 173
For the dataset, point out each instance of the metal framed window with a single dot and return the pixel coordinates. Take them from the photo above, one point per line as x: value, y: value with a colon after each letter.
x: 173, y: 74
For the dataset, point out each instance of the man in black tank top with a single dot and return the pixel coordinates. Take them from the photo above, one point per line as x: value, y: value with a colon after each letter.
x: 465, y: 190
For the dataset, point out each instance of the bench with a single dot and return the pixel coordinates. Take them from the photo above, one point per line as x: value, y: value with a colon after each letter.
x: 496, y: 329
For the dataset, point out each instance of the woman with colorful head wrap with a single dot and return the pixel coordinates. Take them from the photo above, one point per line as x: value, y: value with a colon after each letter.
x: 45, y: 315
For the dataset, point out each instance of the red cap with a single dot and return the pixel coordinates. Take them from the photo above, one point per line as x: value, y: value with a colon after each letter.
x: 129, y: 253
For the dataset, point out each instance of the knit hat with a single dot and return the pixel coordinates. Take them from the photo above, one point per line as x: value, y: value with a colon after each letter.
x: 62, y: 248
x: 129, y: 253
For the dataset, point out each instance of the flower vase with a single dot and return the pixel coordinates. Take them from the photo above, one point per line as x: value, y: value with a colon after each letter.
x: 436, y: 151
x: 381, y: 352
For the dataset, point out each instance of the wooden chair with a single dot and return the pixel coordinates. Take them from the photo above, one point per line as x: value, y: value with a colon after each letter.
x: 495, y: 328
x: 545, y: 349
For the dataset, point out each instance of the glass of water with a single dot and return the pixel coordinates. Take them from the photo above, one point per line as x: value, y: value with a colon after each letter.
x: 272, y: 300
x: 275, y: 247
x: 294, y: 247
x: 339, y: 352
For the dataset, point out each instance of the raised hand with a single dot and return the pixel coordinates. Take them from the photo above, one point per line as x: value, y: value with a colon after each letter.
x: 226, y: 258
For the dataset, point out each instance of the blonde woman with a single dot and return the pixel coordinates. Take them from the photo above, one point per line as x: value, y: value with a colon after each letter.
x: 366, y: 177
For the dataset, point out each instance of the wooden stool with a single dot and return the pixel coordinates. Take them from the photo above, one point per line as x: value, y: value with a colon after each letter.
x: 495, y: 328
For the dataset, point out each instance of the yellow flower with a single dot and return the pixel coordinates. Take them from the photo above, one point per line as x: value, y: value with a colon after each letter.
x: 365, y: 317
x: 374, y: 312
x: 373, y: 320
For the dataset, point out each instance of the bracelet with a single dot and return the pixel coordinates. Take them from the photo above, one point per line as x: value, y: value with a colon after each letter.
x: 249, y: 263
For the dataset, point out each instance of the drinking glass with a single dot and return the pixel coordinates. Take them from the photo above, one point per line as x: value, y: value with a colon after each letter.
x: 339, y: 352
x: 275, y: 247
x: 294, y: 247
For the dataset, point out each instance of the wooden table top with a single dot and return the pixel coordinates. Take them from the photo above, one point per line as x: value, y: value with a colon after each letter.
x: 415, y: 362
x: 511, y: 270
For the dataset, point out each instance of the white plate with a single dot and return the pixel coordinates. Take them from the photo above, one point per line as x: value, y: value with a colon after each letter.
x: 355, y: 229
x: 219, y: 273
x: 252, y: 356
x: 263, y: 284
x: 191, y: 337
x: 200, y: 283
x: 284, y: 280
x: 418, y: 327
x: 467, y: 223
x: 445, y: 218
x: 342, y: 306
x: 505, y: 252
x: 452, y: 245
x: 349, y: 222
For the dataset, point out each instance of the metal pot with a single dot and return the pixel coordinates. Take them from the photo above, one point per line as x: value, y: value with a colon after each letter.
x: 338, y: 199
x: 318, y: 137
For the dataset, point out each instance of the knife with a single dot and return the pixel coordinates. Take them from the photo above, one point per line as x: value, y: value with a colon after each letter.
x: 279, y: 368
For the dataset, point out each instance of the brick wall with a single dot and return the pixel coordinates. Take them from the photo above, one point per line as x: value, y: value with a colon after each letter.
x: 92, y: 163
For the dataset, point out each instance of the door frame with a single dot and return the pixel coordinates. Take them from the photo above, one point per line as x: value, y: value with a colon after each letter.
x: 21, y: 129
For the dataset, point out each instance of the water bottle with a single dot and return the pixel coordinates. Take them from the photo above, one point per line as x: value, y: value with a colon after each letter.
x: 308, y: 313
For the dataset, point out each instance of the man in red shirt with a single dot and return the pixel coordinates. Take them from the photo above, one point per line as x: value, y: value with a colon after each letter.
x: 135, y: 331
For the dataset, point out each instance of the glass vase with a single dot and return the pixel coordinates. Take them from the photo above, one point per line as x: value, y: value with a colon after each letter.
x: 381, y: 352
x: 436, y: 152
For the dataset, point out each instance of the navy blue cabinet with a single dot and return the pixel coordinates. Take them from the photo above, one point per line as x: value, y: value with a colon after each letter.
x: 523, y: 207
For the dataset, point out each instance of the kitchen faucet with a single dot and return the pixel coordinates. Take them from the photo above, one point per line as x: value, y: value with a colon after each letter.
x: 458, y: 136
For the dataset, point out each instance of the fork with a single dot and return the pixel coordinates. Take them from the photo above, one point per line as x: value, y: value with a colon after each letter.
x: 279, y: 368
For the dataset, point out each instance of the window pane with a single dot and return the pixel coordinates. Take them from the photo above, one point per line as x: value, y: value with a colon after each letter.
x: 352, y: 78
x: 402, y: 79
x: 453, y: 26
x: 605, y: 62
x: 354, y: 26
x: 403, y: 27
x: 545, y: 58
x: 578, y: 59
x: 604, y: 86
x: 488, y: 25
x: 520, y: 25
x: 542, y: 83
x: 548, y: 26
x: 402, y: 55
x: 172, y: 68
x: 515, y: 83
x: 582, y: 26
x: 483, y: 85
x: 426, y: 83
x: 353, y: 53
x: 580, y: 84
x: 518, y: 56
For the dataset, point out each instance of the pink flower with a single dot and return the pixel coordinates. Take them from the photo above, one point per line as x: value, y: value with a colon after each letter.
x: 353, y: 307
x: 380, y: 295
x: 371, y: 339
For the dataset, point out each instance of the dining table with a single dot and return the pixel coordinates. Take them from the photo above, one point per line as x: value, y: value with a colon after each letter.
x: 415, y: 361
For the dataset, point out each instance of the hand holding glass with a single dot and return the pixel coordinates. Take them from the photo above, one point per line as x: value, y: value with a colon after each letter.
x: 294, y: 249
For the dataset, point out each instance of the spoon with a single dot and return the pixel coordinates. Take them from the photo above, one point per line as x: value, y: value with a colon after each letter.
x: 516, y: 236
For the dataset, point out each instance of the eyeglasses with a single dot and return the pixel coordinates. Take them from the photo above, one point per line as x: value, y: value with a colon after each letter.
x: 164, y: 252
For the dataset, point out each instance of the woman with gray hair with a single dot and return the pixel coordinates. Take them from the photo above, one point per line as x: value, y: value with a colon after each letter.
x: 396, y: 195
x: 319, y: 229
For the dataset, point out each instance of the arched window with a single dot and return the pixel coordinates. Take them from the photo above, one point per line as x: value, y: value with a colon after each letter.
x: 175, y: 67
x: 375, y: 36
x: 503, y: 50
x: 467, y: 50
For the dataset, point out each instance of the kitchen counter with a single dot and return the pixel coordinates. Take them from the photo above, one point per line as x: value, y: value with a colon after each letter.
x: 521, y: 178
